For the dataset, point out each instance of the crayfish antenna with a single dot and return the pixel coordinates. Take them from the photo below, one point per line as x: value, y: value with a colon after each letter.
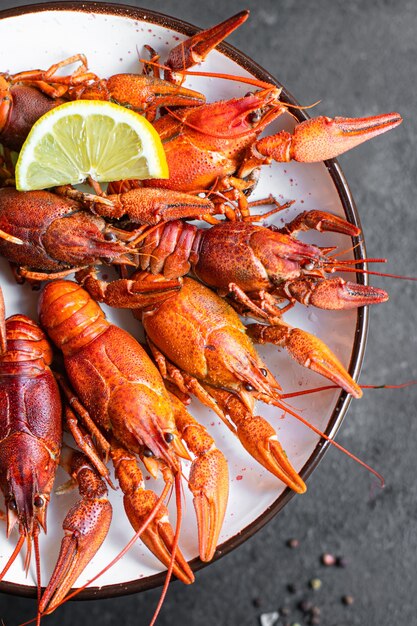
x: 356, y: 270
x: 38, y: 573
x: 306, y: 392
x: 173, y: 550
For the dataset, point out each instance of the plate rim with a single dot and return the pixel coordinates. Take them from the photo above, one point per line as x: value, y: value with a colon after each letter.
x: 361, y: 331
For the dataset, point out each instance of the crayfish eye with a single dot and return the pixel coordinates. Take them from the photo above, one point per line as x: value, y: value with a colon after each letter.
x: 169, y: 437
x: 255, y: 116
x: 110, y: 237
x: 12, y: 505
x: 309, y: 267
x: 148, y: 453
x: 264, y: 372
x: 38, y: 502
x: 249, y: 387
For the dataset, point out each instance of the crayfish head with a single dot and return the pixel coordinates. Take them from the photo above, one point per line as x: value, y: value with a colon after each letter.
x: 231, y: 119
x: 27, y: 486
x: 283, y: 257
x: 143, y: 422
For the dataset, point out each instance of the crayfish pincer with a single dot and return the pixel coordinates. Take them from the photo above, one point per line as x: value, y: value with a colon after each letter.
x: 124, y: 401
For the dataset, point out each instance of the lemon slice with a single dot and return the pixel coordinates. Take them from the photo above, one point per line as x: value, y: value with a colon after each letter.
x: 89, y: 138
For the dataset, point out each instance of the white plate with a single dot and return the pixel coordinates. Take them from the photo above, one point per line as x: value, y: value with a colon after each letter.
x: 112, y: 38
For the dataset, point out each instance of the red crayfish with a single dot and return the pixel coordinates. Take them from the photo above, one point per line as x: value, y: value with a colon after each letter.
x: 26, y: 96
x: 47, y: 236
x: 114, y: 391
x: 30, y: 451
x: 121, y: 400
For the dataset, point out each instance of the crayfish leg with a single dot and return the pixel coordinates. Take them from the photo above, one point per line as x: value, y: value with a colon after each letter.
x: 184, y: 382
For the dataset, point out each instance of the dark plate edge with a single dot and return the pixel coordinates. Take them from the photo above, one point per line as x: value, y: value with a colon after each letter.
x: 339, y: 412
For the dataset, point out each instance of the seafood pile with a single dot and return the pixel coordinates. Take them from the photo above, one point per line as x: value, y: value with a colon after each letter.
x: 123, y: 403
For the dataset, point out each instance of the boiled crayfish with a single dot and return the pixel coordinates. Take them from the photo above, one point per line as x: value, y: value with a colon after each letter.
x: 27, y: 95
x: 30, y: 451
x: 48, y: 236
x: 114, y: 390
x: 125, y: 402
x: 219, y: 365
x: 261, y: 266
x: 212, y: 148
x: 258, y: 267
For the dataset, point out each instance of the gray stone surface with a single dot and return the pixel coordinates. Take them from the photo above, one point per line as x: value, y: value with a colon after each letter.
x: 358, y: 58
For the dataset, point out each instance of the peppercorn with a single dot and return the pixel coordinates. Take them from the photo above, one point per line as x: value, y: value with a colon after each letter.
x: 315, y: 584
x: 347, y: 600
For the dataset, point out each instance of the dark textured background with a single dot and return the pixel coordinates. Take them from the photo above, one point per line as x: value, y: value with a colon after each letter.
x: 359, y: 59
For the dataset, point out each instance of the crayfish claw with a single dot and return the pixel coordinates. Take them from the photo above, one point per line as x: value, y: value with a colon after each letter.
x: 195, y: 49
x: 260, y: 440
x: 308, y: 351
x: 141, y: 92
x: 208, y: 480
x: 139, y: 504
x: 86, y: 526
x: 335, y: 293
x: 152, y: 206
x: 158, y: 536
x: 209, y: 483
x: 324, y: 138
x: 322, y: 222
x: 127, y: 293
